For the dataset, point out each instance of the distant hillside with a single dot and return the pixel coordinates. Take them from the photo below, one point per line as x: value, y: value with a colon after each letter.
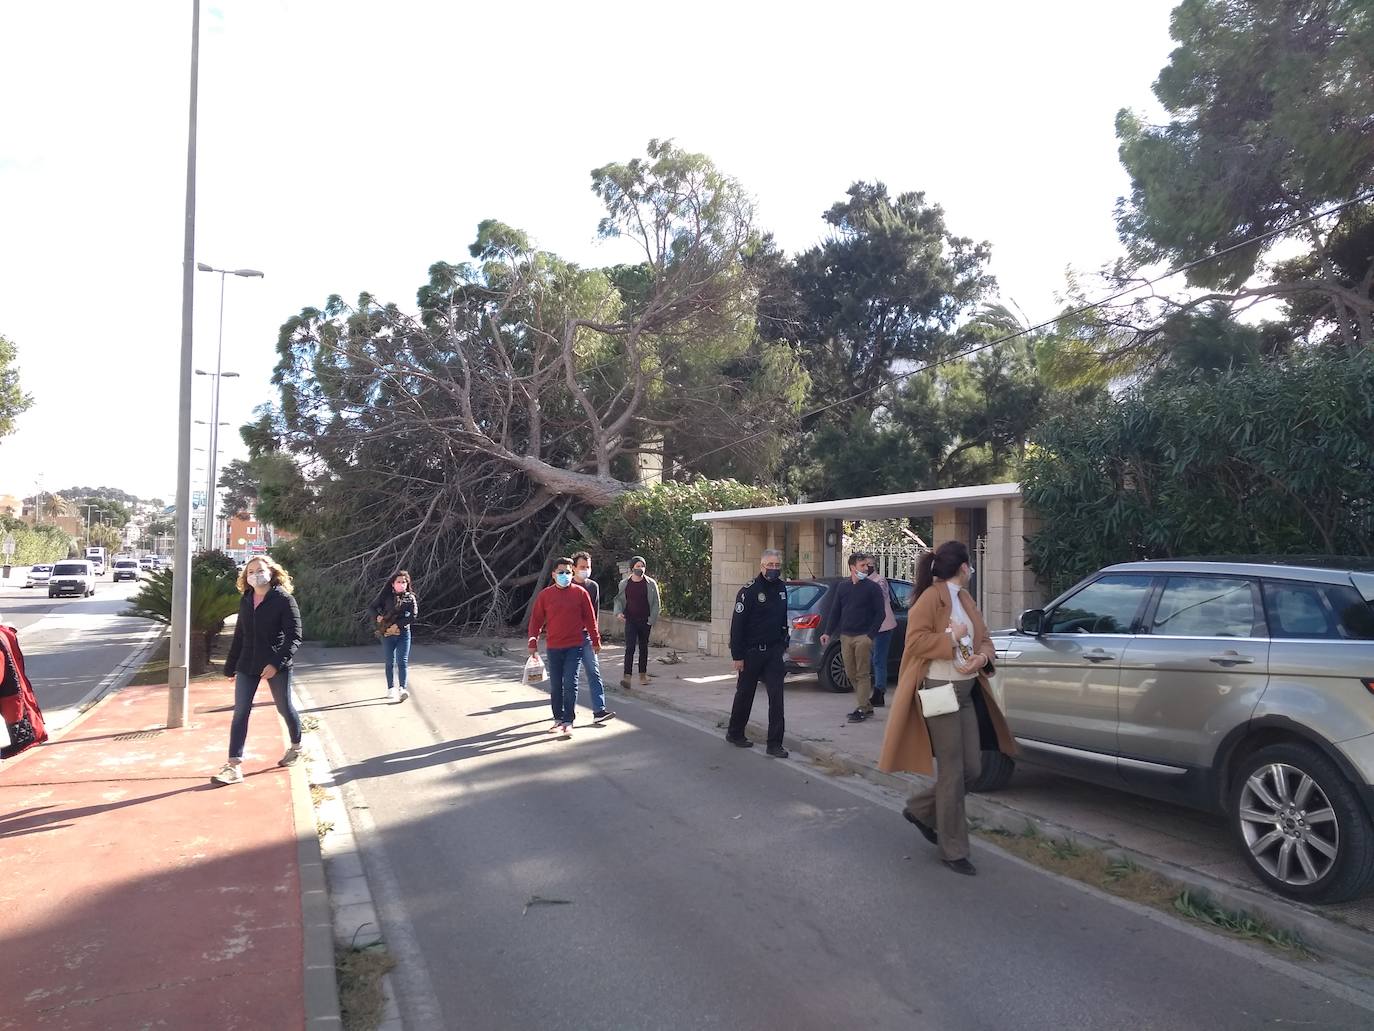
x: 104, y: 493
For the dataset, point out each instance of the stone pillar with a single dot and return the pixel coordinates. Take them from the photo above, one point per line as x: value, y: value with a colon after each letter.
x: 950, y: 524
x: 811, y: 548
x: 1025, y: 591
x: 994, y: 570
x: 735, y: 551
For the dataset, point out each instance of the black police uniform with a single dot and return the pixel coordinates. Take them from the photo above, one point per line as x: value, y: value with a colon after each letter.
x: 759, y: 636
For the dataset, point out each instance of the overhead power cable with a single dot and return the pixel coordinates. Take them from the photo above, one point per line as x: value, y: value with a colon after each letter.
x: 1117, y: 295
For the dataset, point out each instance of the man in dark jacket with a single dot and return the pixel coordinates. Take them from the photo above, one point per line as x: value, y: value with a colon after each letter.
x: 758, y: 644
x: 856, y: 615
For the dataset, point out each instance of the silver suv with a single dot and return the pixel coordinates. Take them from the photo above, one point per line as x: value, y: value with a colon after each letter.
x: 1237, y: 687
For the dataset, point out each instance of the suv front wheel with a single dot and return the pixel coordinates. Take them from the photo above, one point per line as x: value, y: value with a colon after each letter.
x: 1301, y: 824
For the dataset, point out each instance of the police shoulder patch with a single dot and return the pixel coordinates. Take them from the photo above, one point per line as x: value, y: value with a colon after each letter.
x: 739, y: 606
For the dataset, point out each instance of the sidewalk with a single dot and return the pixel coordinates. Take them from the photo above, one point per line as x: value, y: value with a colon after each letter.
x: 1193, y: 848
x: 136, y: 894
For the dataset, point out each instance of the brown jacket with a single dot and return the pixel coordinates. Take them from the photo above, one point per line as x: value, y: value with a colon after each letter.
x: 906, y: 744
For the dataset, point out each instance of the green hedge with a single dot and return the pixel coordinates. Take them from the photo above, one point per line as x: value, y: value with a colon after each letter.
x: 32, y: 545
x: 657, y: 524
x: 1270, y: 459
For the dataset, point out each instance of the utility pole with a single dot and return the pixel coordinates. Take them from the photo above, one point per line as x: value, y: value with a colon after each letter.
x: 178, y: 671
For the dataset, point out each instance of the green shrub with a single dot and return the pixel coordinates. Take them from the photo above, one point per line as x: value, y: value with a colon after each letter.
x: 657, y: 524
x: 216, y: 562
x: 1268, y: 459
x: 213, y: 600
x: 330, y: 611
x: 35, y: 544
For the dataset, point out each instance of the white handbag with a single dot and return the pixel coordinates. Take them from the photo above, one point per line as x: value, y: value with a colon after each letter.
x: 938, y: 701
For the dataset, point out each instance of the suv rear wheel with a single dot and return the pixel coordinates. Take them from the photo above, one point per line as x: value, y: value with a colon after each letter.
x: 1301, y: 824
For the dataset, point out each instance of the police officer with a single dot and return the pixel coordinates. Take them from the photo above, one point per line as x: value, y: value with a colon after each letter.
x: 758, y: 642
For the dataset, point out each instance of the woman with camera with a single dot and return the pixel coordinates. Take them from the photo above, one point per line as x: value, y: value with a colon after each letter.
x: 394, y: 611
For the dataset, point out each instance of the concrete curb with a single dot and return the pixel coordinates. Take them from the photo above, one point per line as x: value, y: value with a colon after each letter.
x: 349, y: 914
x: 321, y: 988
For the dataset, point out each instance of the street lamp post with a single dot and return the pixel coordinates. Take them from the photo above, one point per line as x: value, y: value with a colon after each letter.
x: 220, y: 375
x: 178, y: 671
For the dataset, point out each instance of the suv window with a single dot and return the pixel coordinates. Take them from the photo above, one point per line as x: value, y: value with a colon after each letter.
x: 1207, y: 606
x: 801, y: 597
x: 1110, y: 605
x: 901, y: 594
x: 1327, y: 611
x: 71, y: 569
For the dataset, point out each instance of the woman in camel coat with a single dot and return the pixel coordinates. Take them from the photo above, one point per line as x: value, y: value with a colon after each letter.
x: 943, y: 616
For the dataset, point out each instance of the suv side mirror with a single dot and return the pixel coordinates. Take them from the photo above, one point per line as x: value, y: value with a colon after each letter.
x: 1031, y: 622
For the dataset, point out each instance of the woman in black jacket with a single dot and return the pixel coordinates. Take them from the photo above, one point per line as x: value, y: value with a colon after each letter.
x: 394, y: 610
x: 266, y: 636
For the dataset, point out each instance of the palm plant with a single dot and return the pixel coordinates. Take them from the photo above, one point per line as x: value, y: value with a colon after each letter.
x: 214, y: 598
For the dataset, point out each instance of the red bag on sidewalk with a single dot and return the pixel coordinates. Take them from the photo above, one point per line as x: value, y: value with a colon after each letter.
x: 18, y: 707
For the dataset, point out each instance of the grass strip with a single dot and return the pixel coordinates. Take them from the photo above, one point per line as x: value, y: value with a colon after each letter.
x: 359, y: 972
x: 1123, y: 877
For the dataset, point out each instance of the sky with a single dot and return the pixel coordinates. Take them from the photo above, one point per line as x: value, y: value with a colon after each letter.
x: 346, y: 145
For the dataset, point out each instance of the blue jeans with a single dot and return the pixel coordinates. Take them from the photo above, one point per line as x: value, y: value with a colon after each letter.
x: 397, y: 652
x: 881, y: 644
x: 563, y: 663
x: 592, y: 664
x: 245, y: 687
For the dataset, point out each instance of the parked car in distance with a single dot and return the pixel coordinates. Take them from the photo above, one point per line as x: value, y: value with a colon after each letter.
x: 125, y: 569
x: 808, y: 603
x: 1242, y: 688
x: 38, y: 575
x: 74, y: 576
x: 147, y: 562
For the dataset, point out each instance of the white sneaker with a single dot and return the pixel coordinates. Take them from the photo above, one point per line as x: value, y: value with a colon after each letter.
x: 557, y: 728
x: 230, y: 774
x: 292, y: 754
x: 393, y: 696
x: 567, y: 730
x: 404, y: 695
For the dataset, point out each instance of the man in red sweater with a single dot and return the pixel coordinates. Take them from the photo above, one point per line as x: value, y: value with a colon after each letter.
x: 564, y: 612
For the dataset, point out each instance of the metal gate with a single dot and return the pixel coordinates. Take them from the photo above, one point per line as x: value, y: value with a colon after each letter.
x: 897, y: 561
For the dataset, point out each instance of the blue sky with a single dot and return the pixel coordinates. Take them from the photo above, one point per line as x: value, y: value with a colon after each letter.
x: 348, y: 145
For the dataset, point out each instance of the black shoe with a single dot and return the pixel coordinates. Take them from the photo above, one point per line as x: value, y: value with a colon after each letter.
x: 857, y: 716
x: 602, y: 715
x: 739, y: 742
x: 878, y: 700
x: 777, y: 751
x: 926, y: 832
x: 962, y: 866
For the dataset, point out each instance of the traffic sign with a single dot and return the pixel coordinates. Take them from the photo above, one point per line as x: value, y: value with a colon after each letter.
x: 8, y: 546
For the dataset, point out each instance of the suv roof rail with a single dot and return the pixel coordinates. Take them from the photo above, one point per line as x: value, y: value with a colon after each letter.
x: 1358, y: 562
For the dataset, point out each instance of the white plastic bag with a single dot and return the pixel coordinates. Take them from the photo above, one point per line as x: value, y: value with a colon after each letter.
x: 534, y: 670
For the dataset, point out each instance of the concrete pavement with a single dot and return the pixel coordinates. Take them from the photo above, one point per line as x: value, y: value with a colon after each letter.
x: 645, y: 874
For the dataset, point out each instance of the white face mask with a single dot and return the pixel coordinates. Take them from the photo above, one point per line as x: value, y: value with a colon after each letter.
x: 583, y: 574
x: 260, y: 578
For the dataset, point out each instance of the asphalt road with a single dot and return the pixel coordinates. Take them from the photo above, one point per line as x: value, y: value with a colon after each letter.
x: 71, y: 644
x: 689, y: 884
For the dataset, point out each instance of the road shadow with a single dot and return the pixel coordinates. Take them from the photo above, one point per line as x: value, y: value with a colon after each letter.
x: 445, y: 753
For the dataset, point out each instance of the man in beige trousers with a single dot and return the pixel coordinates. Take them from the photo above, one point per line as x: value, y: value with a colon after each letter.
x: 856, y: 614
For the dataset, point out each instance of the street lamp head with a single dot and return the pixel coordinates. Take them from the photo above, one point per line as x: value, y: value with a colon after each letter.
x: 229, y: 375
x: 201, y: 266
x: 202, y: 372
x: 248, y: 273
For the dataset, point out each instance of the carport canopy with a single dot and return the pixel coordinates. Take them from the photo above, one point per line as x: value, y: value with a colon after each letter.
x: 879, y: 506
x: 989, y: 518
